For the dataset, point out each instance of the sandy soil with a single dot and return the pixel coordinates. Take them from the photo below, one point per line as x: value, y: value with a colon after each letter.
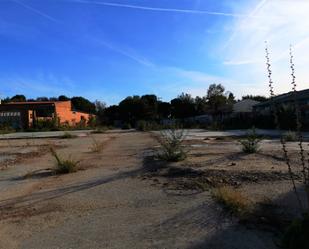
x: 115, y: 202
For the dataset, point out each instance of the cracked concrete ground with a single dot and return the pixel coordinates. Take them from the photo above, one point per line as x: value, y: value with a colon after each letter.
x: 107, y: 204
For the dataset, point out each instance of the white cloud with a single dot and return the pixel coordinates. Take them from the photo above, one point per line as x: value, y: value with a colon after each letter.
x: 246, y: 48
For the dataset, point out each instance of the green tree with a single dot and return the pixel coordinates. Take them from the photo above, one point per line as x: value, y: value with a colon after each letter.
x: 42, y: 99
x: 183, y: 106
x: 164, y: 109
x: 83, y: 104
x: 63, y: 98
x: 149, y: 107
x: 217, y: 99
x: 201, y: 105
x: 255, y: 97
x: 18, y: 98
x: 131, y: 109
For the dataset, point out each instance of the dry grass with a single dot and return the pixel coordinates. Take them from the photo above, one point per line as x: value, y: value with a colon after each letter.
x: 232, y: 199
x: 96, y: 146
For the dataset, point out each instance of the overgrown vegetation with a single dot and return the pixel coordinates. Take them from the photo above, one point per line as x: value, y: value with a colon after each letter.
x: 251, y: 143
x: 171, y: 145
x: 233, y: 200
x: 64, y: 166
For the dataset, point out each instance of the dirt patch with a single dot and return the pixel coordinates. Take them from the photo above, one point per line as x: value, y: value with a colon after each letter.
x: 17, y: 213
x: 182, y: 178
x: 17, y: 157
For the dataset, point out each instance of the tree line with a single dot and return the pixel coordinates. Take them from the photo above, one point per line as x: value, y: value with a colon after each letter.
x: 149, y: 107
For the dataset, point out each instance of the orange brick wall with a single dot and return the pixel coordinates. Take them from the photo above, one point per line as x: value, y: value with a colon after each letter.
x: 66, y: 115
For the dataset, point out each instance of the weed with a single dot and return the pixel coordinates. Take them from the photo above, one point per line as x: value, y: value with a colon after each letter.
x: 68, y: 135
x: 231, y: 199
x: 305, y: 168
x: 99, y: 130
x: 64, y: 166
x: 96, y: 146
x: 296, y: 236
x: 251, y: 143
x: 171, y: 145
x: 290, y: 136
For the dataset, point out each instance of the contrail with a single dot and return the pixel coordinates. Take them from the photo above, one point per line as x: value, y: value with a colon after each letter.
x: 35, y: 11
x: 139, y: 59
x: 139, y: 7
x: 251, y: 14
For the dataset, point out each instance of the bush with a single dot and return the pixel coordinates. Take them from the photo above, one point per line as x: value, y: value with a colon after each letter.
x: 297, y: 234
x: 251, y: 143
x: 64, y: 166
x: 232, y: 199
x: 290, y: 136
x: 126, y: 126
x: 4, y: 129
x: 143, y: 125
x: 171, y: 145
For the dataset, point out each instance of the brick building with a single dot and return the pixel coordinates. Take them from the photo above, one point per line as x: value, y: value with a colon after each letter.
x: 26, y: 114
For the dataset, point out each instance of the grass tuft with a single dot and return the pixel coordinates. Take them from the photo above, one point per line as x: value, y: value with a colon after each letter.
x: 290, y: 136
x: 96, y: 146
x: 68, y: 135
x: 64, y: 166
x: 231, y: 199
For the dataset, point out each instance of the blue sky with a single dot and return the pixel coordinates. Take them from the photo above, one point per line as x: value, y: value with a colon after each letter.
x: 108, y: 50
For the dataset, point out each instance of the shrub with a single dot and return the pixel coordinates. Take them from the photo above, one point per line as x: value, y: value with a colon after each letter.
x: 171, y: 145
x: 6, y: 128
x: 68, y: 135
x: 143, y: 125
x: 251, y: 143
x: 64, y: 166
x: 297, y: 234
x: 126, y: 126
x: 290, y: 136
x: 232, y: 199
